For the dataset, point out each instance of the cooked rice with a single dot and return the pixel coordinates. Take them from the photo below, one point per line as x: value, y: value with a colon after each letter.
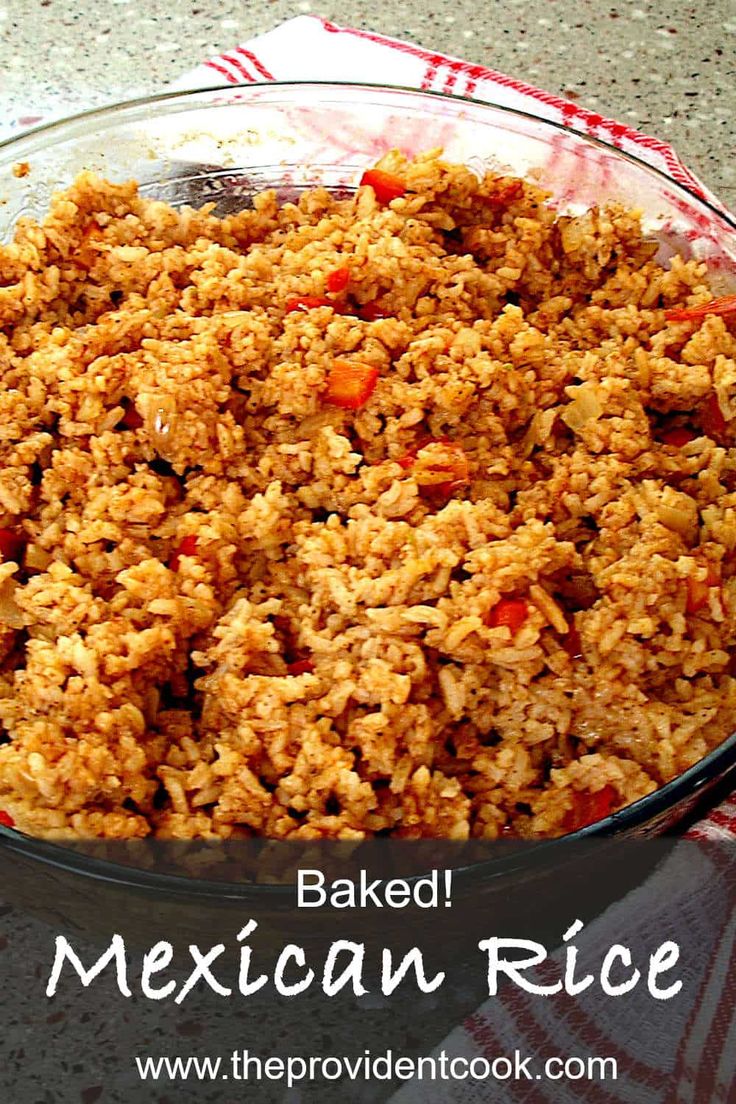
x: 493, y: 599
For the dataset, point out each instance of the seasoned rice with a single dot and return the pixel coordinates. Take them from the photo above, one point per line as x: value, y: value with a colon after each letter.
x: 451, y: 553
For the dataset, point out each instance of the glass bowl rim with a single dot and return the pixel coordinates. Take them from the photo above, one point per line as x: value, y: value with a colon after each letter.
x: 177, y: 95
x: 685, y: 785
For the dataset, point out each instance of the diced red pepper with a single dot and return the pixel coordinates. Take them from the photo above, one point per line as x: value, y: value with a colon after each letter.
x: 712, y: 418
x: 338, y: 279
x: 572, y: 643
x: 511, y: 612
x: 6, y: 819
x: 384, y: 184
x: 350, y: 384
x: 587, y: 808
x: 300, y: 667
x: 131, y: 419
x: 698, y: 589
x: 372, y: 312
x: 504, y: 194
x: 186, y: 547
x: 12, y: 545
x: 724, y: 304
x: 678, y: 436
x: 307, y: 303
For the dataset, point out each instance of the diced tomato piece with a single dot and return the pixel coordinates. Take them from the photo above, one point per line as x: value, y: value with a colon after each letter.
x: 511, y: 612
x: 572, y: 643
x: 439, y: 459
x: 92, y: 232
x: 306, y: 303
x: 439, y: 491
x: 698, y: 589
x: 350, y: 384
x: 587, y: 808
x: 714, y: 424
x: 338, y: 279
x: 131, y: 419
x: 724, y: 304
x: 6, y: 819
x: 186, y: 547
x: 678, y: 437
x: 12, y: 545
x: 384, y: 184
x: 372, y: 312
x: 300, y: 667
x: 407, y: 460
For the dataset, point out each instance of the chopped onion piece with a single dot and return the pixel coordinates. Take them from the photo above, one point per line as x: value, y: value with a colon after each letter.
x: 10, y: 613
x: 675, y: 518
x: 585, y: 406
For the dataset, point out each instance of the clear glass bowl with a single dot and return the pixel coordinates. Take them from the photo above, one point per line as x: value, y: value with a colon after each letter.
x: 222, y: 145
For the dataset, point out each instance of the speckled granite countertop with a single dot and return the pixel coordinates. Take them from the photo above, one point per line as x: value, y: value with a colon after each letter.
x: 666, y: 68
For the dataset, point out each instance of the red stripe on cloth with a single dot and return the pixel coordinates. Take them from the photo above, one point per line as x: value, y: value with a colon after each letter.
x: 539, y: 1043
x: 722, y: 818
x: 482, y: 1035
x: 450, y: 80
x: 434, y: 64
x: 239, y: 67
x: 580, y: 1023
x: 211, y: 64
x: 585, y: 1029
x: 706, y: 1078
x: 256, y: 62
x: 479, y: 1028
x: 517, y: 1013
x: 429, y: 74
x: 686, y: 1078
x: 392, y: 43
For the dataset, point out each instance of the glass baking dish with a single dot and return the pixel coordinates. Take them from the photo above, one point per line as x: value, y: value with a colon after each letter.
x: 223, y: 145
